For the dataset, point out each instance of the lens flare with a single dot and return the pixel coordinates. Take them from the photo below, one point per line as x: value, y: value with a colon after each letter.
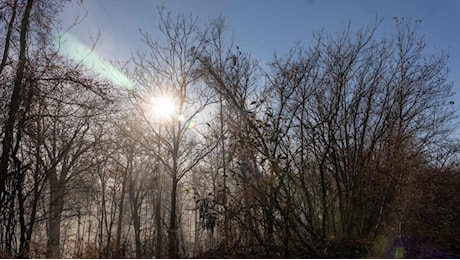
x: 71, y: 47
x: 190, y: 125
x: 181, y: 118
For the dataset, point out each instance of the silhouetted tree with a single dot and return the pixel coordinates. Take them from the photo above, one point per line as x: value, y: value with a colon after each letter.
x: 167, y: 69
x: 339, y: 136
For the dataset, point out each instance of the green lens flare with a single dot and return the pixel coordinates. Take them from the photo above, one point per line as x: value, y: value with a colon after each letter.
x: 72, y: 48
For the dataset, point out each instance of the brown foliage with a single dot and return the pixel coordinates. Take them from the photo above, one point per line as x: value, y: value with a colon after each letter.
x: 93, y: 251
x: 436, y: 210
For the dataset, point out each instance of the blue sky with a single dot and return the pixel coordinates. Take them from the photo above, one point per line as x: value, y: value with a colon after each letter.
x: 263, y: 27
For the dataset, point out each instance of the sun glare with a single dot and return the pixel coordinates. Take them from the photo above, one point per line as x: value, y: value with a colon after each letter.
x: 163, y: 106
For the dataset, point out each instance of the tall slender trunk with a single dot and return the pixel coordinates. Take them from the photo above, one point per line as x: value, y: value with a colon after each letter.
x: 33, y: 214
x: 173, y: 243
x: 17, y: 98
x: 22, y: 222
x: 173, y: 239
x: 136, y: 218
x: 137, y: 232
x: 159, y: 235
x: 120, y: 214
x: 56, y: 206
x: 224, y: 174
x: 324, y: 207
x: 15, y: 101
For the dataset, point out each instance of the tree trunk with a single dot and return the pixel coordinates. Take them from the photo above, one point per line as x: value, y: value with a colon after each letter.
x: 120, y: 214
x: 56, y: 206
x: 159, y: 235
x: 136, y: 218
x: 15, y: 102
x: 173, y: 241
x: 137, y: 231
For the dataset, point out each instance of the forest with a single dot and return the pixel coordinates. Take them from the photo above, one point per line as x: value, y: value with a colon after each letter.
x: 340, y: 149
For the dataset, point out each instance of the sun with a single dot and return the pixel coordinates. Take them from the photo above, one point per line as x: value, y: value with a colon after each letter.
x: 163, y: 106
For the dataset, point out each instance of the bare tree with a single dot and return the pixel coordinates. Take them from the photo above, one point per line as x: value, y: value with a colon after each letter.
x: 167, y: 69
x: 320, y: 153
x: 331, y: 114
x: 28, y: 26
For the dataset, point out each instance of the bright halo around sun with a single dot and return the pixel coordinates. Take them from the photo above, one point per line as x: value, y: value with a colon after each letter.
x: 163, y: 106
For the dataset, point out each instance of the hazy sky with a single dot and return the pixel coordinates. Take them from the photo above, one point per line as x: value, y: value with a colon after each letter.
x: 263, y: 27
